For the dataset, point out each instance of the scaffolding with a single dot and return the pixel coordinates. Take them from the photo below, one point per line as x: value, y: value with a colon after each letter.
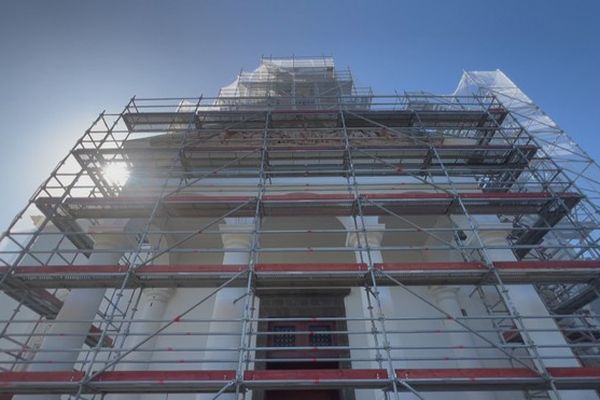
x: 296, y: 141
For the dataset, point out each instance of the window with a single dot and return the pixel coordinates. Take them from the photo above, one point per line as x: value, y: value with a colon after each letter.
x: 281, y: 339
x: 320, y: 338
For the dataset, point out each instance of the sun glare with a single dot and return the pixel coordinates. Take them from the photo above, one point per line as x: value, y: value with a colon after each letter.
x: 116, y: 173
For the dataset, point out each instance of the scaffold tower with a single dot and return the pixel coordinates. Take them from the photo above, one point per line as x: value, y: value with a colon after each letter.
x: 299, y: 237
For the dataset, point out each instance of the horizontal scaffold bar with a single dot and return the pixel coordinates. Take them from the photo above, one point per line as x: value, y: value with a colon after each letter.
x: 290, y: 159
x: 305, y: 275
x: 212, y: 381
x: 278, y: 116
x: 409, y: 151
x: 335, y: 204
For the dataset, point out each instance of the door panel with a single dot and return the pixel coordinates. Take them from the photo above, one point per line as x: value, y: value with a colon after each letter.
x: 312, y: 338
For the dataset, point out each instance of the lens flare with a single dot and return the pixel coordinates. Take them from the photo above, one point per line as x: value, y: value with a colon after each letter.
x: 116, y: 173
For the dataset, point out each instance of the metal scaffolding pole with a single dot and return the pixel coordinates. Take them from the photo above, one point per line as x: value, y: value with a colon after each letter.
x: 295, y: 145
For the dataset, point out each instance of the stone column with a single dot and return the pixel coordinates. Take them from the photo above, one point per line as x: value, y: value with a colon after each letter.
x: 229, y: 302
x: 357, y: 304
x: 60, y: 351
x: 152, y: 307
x: 463, y: 342
x: 35, y: 341
x: 447, y: 298
x: 150, y: 310
x: 527, y: 302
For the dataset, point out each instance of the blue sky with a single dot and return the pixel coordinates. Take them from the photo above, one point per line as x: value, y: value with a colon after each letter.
x: 63, y: 62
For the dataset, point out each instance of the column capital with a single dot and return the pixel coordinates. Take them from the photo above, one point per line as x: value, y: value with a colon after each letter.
x: 373, y: 236
x: 444, y: 292
x: 236, y: 235
x: 491, y: 231
x: 494, y: 235
x: 62, y: 294
x: 158, y: 294
x: 110, y: 234
x: 489, y: 228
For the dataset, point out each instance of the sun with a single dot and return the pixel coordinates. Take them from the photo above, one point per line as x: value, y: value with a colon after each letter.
x: 116, y: 173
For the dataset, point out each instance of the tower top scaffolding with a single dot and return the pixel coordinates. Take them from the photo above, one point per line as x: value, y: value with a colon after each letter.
x: 299, y: 83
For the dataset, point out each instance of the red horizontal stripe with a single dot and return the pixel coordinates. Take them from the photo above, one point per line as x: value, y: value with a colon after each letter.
x: 308, y: 267
x: 329, y: 196
x: 299, y: 374
x: 315, y: 374
x: 185, y: 375
x: 432, y: 266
